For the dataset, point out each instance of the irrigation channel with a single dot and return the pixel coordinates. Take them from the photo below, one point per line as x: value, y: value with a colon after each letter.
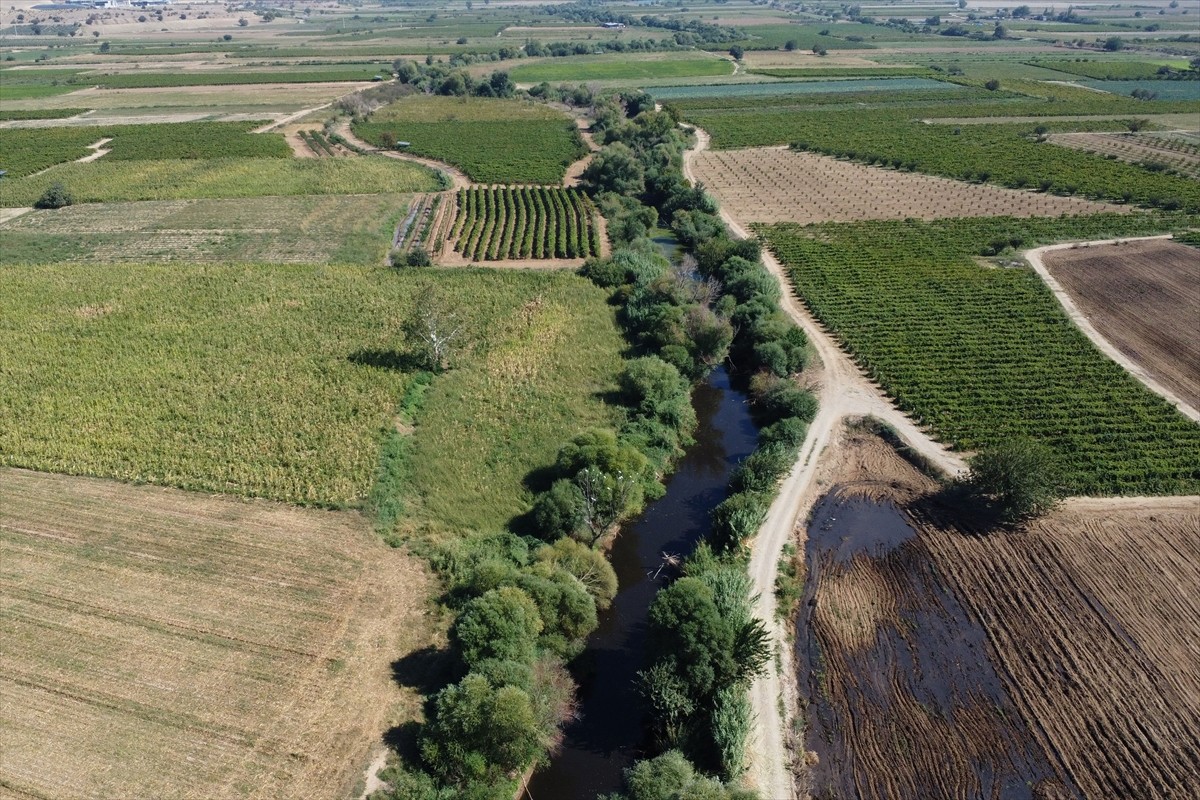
x: 610, y: 732
x: 900, y: 696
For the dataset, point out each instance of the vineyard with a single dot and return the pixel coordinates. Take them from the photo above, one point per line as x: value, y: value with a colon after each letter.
x: 1012, y: 155
x: 28, y: 150
x: 980, y: 355
x: 1149, y: 150
x: 494, y: 224
x: 802, y: 88
x: 492, y: 141
x: 1105, y: 70
x: 106, y: 181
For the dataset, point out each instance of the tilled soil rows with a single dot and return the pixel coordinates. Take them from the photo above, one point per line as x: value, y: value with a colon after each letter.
x: 771, y: 184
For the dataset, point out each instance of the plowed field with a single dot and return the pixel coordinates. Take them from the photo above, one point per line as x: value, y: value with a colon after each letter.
x: 1052, y: 662
x: 771, y: 184
x: 1144, y: 298
x: 158, y: 643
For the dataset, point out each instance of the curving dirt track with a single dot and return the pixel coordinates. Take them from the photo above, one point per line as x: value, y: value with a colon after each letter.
x: 458, y: 180
x: 842, y: 391
x: 1138, y: 300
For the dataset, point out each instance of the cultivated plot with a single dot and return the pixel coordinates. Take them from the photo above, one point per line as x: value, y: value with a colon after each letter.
x: 770, y: 184
x: 1155, y: 151
x: 1144, y: 298
x: 166, y: 644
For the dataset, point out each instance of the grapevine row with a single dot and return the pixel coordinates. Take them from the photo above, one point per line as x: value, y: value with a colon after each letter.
x: 527, y: 222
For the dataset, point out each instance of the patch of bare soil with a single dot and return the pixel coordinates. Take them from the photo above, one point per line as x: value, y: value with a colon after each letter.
x: 759, y: 185
x: 938, y: 662
x: 1144, y: 298
x: 160, y: 643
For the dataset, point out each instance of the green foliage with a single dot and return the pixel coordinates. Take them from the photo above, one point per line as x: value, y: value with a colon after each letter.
x: 503, y: 623
x: 1110, y: 70
x: 40, y: 113
x: 618, y: 67
x: 559, y: 511
x: 763, y: 468
x: 671, y: 776
x: 57, y: 196
x: 1018, y: 476
x: 996, y: 358
x: 731, y: 723
x: 526, y: 222
x: 655, y: 389
x: 479, y: 732
x: 106, y: 181
x: 615, y: 169
x: 736, y: 519
x: 492, y: 141
x: 588, y: 566
x: 27, y: 150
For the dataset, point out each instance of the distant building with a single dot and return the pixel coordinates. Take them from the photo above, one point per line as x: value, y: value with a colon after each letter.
x: 612, y: 25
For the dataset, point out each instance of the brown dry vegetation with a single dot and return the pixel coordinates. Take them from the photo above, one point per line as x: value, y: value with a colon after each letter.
x: 1144, y: 298
x: 159, y: 643
x: 771, y: 184
x: 1061, y: 657
x: 1137, y: 149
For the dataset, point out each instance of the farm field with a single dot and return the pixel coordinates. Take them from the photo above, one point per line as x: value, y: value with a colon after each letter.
x: 492, y: 141
x: 1146, y: 148
x: 759, y: 185
x: 277, y: 381
x: 621, y: 67
x: 1144, y: 298
x: 106, y: 181
x: 780, y: 88
x: 978, y: 353
x: 496, y: 224
x: 166, y: 644
x: 266, y: 100
x: 1057, y: 658
x: 345, y: 229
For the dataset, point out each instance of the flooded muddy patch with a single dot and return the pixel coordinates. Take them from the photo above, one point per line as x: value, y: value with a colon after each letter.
x: 902, y: 699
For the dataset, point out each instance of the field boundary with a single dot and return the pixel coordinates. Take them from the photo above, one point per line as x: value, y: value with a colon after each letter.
x: 1034, y: 257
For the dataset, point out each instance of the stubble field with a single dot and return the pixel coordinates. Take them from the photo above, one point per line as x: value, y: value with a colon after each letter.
x: 1144, y: 297
x: 942, y: 663
x: 771, y: 184
x: 166, y: 644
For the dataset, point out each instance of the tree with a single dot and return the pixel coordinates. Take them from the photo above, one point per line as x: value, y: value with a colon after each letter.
x: 502, y: 623
x: 1018, y: 476
x: 589, y: 567
x: 434, y: 330
x: 1114, y: 43
x: 655, y: 389
x: 737, y: 52
x: 558, y: 512
x: 790, y: 45
x: 606, y: 498
x: 57, y: 196
x: 479, y: 732
x: 105, y: 47
x: 616, y: 168
x: 243, y: 22
x: 992, y: 85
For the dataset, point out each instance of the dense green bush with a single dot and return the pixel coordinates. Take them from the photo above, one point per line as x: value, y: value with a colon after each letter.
x: 503, y: 623
x: 57, y: 196
x: 736, y: 519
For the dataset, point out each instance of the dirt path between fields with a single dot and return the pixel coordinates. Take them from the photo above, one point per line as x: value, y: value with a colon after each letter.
x: 290, y: 118
x: 12, y: 213
x: 98, y: 151
x: 458, y: 179
x: 843, y: 391
x: 1084, y: 324
x: 575, y: 171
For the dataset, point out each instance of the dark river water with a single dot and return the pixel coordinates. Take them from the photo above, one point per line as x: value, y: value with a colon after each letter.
x: 610, y: 731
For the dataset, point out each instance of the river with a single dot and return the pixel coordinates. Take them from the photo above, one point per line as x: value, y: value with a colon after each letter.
x: 610, y: 732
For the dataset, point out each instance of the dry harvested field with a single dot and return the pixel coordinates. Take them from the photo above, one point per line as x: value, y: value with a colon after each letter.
x: 159, y: 643
x: 1144, y: 298
x: 938, y: 663
x: 773, y: 184
x: 1176, y: 154
x: 268, y: 98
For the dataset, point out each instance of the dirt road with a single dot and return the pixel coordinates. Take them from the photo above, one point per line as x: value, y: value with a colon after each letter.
x: 1084, y: 324
x: 843, y: 391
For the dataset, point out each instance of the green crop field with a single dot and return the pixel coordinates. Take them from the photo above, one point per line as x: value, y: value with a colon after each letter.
x: 110, y: 181
x: 846, y: 72
x: 344, y: 229
x: 277, y: 381
x: 1008, y: 154
x: 618, y: 67
x: 802, y: 88
x: 40, y: 113
x: 24, y: 151
x: 147, y: 80
x: 492, y: 141
x: 983, y: 354
x: 495, y: 224
x: 1107, y: 70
